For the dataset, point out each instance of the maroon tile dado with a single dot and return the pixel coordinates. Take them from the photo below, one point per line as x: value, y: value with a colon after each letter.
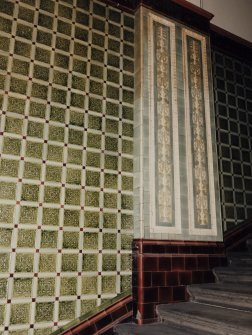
x: 163, y: 269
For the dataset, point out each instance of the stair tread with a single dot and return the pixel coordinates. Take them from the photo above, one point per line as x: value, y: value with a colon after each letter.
x: 208, y: 314
x: 234, y: 269
x: 233, y: 288
x: 155, y: 328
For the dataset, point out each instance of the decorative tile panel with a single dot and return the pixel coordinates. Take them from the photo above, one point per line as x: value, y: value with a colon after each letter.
x: 66, y: 160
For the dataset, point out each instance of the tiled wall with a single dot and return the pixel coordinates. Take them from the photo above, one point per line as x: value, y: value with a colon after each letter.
x: 233, y: 104
x: 66, y: 95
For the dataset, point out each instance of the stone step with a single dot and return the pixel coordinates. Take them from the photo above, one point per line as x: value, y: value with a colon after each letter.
x: 233, y: 274
x: 232, y: 295
x: 240, y: 259
x: 155, y: 329
x: 217, y: 320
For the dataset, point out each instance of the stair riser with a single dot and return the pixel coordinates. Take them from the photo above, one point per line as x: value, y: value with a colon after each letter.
x: 228, y: 278
x: 232, y: 300
x: 202, y: 324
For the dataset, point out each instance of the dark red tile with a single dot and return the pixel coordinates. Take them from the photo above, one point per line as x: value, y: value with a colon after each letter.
x: 158, y: 279
x: 147, y: 279
x: 203, y: 262
x: 164, y: 263
x: 172, y: 278
x: 179, y: 293
x: 171, y: 249
x: 150, y: 264
x: 178, y: 263
x: 190, y: 263
x: 106, y: 320
x: 150, y: 294
x: 197, y: 277
x: 148, y: 311
x: 185, y: 278
x: 214, y: 261
x: 165, y: 294
x: 208, y: 277
x: 119, y: 313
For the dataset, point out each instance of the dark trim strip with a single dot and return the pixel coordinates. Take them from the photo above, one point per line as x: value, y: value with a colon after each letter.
x: 194, y: 8
x: 236, y: 238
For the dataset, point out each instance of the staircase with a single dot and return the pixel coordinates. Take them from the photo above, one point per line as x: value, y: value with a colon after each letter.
x: 223, y: 308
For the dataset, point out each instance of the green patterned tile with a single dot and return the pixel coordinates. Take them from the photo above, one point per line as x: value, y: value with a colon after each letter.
x: 128, y: 97
x: 41, y: 72
x: 91, y: 219
x: 61, y: 61
x: 56, y: 133
x: 69, y: 262
x: 52, y: 194
x: 48, y: 5
x: 90, y: 262
x: 72, y: 197
x: 128, y: 65
x: 83, y: 4
x: 127, y: 147
x: 57, y: 114
x: 47, y: 263
x: 64, y: 28
x: 114, y: 45
x: 112, y: 92
x: 41, y: 55
x: 114, y: 30
x: 70, y: 240
x: 128, y: 36
x: 110, y: 200
x: 92, y: 178
x: 24, y: 31
x: 68, y: 286
x: 127, y: 201
x: 59, y: 96
x: 6, y: 213
x: 50, y: 217
x: 111, y: 126
x: 13, y: 125
x: 99, y: 9
x: 87, y: 306
x: 93, y: 159
x: 113, y: 76
x: 2, y: 314
x: 95, y: 105
x: 34, y: 149
x: 110, y: 180
x: 77, y: 119
x: 11, y: 146
x: 5, y: 237
x: 90, y: 241
x: 60, y: 78
x: 113, y: 61
x: 44, y: 38
x: 9, y: 167
x: 43, y: 331
x: 16, y: 105
x: 111, y: 162
x: 32, y: 170
x: 24, y: 262
x: 71, y: 218
x: 97, y: 55
x: 127, y: 183
x: 46, y: 287
x: 4, y: 262
x: 128, y: 81
x: 2, y: 82
x: 37, y: 110
x: 54, y: 153
x: 111, y: 143
x: 5, y: 43
x: 3, y: 63
x: 44, y: 311
x: 21, y: 67
x: 53, y: 173
x: 95, y: 87
x: 109, y: 241
x: 112, y: 109
x: 66, y: 310
x: 65, y: 12
x: 20, y: 313
x: 89, y: 285
x: 98, y: 24
x: 35, y: 129
x: 24, y: 332
x: 79, y: 66
x: 77, y: 100
x: 30, y: 192
x: 28, y: 215
x: 128, y: 50
x: 74, y: 156
x: 98, y: 39
x: 22, y: 287
x: 128, y: 21
x: 39, y: 91
x: 94, y: 122
x: 3, y: 288
x: 96, y: 71
x: 80, y: 49
x: 92, y: 199
x: 75, y: 137
x: 126, y: 283
x: 81, y: 34
x: 126, y: 262
x: 7, y: 190
x: 127, y: 221
x: 45, y: 21
x: 127, y: 165
x: 5, y: 25
x: 109, y: 220
x: 126, y: 241
x: 26, y: 238
x: 108, y: 262
x: 108, y: 284
x: 49, y: 239
x: 73, y: 176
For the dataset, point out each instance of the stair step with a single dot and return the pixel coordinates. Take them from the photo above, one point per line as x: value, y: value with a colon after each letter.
x: 233, y: 274
x: 217, y: 320
x: 223, y: 294
x: 154, y: 329
x: 240, y: 259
